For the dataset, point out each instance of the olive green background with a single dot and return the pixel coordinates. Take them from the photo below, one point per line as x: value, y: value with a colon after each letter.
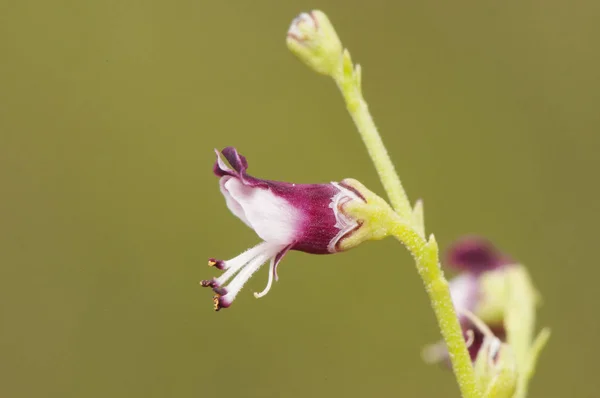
x: 109, y: 113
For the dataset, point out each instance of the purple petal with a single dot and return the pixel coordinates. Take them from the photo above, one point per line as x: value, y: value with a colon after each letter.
x: 475, y: 254
x: 239, y: 164
x: 319, y: 222
x: 314, y: 225
x: 235, y: 159
x: 303, y: 216
x: 221, y: 169
x: 465, y: 293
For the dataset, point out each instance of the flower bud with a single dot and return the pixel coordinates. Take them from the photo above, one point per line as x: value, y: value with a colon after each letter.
x: 313, y: 39
x: 495, y: 301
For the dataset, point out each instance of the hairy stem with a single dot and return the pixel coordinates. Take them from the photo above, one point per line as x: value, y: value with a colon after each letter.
x: 406, y: 227
x: 313, y: 39
x: 348, y: 80
x: 427, y: 258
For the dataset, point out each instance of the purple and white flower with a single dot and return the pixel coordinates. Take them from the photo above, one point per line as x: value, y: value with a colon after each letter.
x: 478, y: 290
x: 479, y: 261
x: 286, y: 216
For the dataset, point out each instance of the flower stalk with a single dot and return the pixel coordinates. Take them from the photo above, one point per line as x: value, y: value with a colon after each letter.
x: 309, y: 34
x: 426, y: 254
x: 495, y: 361
x: 348, y: 79
x: 313, y: 39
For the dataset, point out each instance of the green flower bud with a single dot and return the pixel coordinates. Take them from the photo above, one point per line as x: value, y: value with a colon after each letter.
x: 313, y: 39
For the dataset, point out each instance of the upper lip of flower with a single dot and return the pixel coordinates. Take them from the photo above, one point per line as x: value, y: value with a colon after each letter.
x: 305, y: 217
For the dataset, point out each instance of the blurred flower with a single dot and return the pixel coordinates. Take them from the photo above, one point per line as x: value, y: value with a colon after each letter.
x: 313, y: 39
x: 479, y: 289
x: 312, y: 218
x: 495, y: 302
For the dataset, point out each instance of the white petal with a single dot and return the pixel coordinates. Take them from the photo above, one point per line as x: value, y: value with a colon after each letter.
x: 463, y: 289
x: 232, y: 204
x: 301, y: 19
x: 273, y: 218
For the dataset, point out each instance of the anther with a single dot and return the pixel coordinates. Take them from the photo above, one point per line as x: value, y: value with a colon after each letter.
x: 209, y: 283
x: 219, y: 264
x: 219, y: 302
x: 470, y: 338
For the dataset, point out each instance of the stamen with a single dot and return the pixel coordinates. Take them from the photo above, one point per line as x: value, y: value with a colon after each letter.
x: 470, y: 338
x: 224, y: 297
x: 269, y: 282
x: 248, y: 254
x: 234, y: 265
x: 219, y: 264
x: 219, y: 301
x: 216, y: 303
x: 483, y: 328
x: 246, y: 273
x: 491, y: 343
x: 494, y: 349
x: 209, y: 283
x: 244, y: 266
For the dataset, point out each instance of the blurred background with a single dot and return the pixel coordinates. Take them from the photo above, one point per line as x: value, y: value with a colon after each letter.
x: 109, y: 113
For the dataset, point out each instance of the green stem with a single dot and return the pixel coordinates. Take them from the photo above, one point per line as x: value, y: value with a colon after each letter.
x: 405, y: 227
x: 428, y: 266
x: 348, y: 80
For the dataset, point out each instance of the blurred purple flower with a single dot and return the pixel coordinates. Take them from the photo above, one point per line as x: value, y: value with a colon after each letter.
x: 476, y: 258
x: 475, y: 292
